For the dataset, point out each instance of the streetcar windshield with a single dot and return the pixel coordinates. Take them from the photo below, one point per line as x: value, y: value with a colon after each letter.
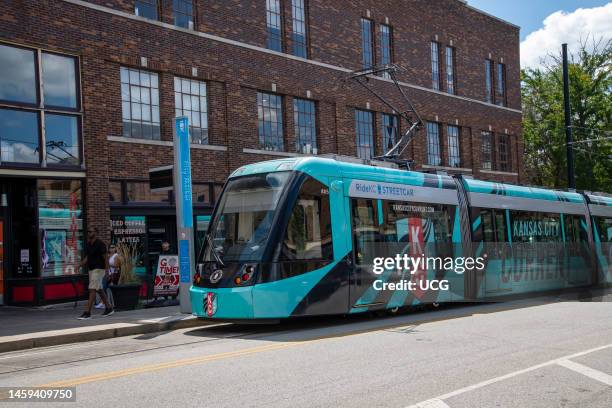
x: 244, y: 217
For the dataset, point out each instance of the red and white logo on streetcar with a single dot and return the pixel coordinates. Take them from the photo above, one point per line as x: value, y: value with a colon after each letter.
x: 211, y: 304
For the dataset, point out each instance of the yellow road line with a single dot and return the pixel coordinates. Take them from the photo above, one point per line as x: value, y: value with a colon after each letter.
x: 171, y: 364
x: 198, y: 360
x: 254, y: 350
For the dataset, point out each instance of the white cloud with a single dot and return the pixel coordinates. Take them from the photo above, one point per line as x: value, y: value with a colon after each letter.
x: 562, y: 27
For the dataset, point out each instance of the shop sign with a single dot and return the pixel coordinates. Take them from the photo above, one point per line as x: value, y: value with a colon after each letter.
x: 167, y: 277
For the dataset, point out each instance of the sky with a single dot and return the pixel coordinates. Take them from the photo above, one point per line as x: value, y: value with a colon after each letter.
x: 545, y: 24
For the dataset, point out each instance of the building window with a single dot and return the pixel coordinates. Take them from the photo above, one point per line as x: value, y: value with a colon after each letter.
x: 200, y: 194
x: 435, y: 65
x: 433, y: 144
x: 454, y: 152
x: 386, y: 47
x: 367, y: 44
x: 489, y: 80
x: 183, y: 13
x: 305, y: 120
x: 270, y: 121
x: 140, y: 103
x: 60, y: 217
x: 300, y: 42
x: 501, y: 84
x: 503, y: 152
x: 274, y: 23
x: 364, y: 127
x: 27, y: 111
x: 190, y: 101
x: 450, y: 70
x: 146, y: 9
x: 59, y: 81
x: 115, y: 192
x: 140, y: 192
x: 18, y: 79
x: 389, y: 131
x: 62, y: 139
x: 19, y: 136
x: 487, y: 149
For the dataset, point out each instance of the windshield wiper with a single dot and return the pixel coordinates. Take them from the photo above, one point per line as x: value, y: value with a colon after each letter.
x: 214, y: 250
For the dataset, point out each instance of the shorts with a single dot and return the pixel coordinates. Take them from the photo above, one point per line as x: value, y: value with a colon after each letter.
x: 95, y: 278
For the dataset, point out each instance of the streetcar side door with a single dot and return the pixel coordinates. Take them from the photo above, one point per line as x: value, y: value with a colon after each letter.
x: 366, y: 218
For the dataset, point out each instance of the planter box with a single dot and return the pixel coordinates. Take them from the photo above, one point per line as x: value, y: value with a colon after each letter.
x: 126, y: 296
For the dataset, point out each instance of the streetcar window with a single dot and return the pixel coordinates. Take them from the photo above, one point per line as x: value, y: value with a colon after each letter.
x: 573, y: 230
x: 530, y: 226
x: 308, y: 235
x: 244, y: 218
x: 500, y: 226
x: 604, y: 228
x: 388, y: 228
x: 412, y: 222
x: 365, y: 230
x: 493, y: 225
x: 488, y: 228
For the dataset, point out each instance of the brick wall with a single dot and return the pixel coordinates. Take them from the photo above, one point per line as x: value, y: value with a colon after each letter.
x: 234, y: 73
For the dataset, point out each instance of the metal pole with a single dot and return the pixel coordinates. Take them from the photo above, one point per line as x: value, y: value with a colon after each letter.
x: 184, y: 209
x: 571, y: 182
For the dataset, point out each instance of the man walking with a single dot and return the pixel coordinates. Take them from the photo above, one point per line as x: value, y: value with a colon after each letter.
x: 96, y: 261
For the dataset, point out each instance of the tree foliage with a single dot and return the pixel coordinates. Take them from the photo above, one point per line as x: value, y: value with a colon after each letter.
x: 590, y: 74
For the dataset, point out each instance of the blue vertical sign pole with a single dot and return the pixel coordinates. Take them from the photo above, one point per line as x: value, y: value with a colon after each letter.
x: 184, y: 209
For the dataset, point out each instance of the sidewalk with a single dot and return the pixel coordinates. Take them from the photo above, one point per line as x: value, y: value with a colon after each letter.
x: 23, y: 328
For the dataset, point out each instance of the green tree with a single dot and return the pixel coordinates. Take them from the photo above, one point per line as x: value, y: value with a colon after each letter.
x: 590, y: 73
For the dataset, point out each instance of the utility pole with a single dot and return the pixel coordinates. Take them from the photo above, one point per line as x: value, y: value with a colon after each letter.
x: 571, y: 182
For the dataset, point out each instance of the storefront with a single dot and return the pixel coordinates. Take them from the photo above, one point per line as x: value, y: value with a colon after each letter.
x: 41, y: 239
x: 142, y: 220
x: 41, y: 176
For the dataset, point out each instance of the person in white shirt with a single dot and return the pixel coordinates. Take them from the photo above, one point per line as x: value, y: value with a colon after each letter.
x: 112, y: 275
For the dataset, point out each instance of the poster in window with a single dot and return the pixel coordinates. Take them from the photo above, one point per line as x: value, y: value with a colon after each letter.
x: 128, y: 234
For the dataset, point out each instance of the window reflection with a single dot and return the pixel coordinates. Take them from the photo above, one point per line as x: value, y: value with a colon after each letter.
x: 114, y: 192
x: 19, y: 136
x: 61, y: 226
x: 18, y: 79
x: 140, y: 192
x: 59, y: 81
x: 201, y: 194
x: 62, y: 139
x: 24, y: 113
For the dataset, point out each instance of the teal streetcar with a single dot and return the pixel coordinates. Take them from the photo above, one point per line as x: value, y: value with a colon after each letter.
x: 299, y: 237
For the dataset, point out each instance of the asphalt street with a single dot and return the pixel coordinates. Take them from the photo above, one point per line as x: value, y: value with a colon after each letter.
x: 516, y: 354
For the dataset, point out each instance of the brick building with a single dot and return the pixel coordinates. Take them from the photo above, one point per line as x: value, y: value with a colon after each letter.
x: 89, y: 91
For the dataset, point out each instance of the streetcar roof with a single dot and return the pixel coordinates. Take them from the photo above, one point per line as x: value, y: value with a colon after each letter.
x: 600, y: 205
x: 329, y: 167
x: 597, y: 199
x: 512, y: 190
x: 317, y: 167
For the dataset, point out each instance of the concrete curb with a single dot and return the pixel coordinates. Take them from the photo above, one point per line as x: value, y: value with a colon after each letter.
x: 78, y: 336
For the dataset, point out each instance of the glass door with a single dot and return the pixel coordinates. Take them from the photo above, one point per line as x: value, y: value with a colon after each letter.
x: 161, y: 238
